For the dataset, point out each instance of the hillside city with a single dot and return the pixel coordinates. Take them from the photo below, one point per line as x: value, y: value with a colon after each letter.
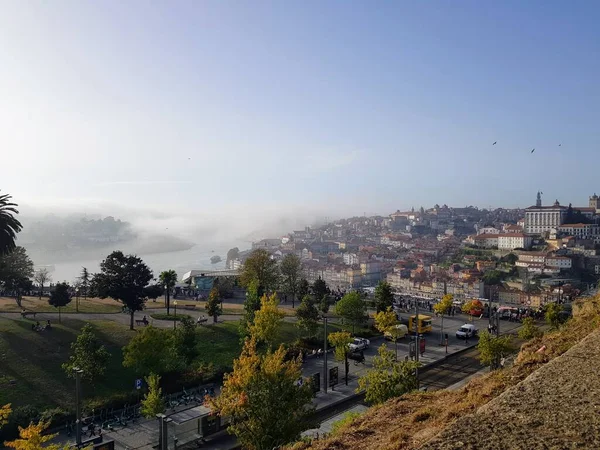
x: 517, y: 257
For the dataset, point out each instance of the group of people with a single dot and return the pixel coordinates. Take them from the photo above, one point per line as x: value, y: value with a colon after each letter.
x: 39, y: 327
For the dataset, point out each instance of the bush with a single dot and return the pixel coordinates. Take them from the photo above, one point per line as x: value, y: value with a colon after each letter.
x: 529, y: 330
x: 21, y: 416
x: 171, y: 317
x: 346, y: 420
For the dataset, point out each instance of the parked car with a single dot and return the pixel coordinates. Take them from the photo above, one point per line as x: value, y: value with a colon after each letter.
x: 401, y: 331
x: 466, y: 331
x: 359, y: 344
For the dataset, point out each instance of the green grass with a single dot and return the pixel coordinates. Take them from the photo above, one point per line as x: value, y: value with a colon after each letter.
x: 94, y: 305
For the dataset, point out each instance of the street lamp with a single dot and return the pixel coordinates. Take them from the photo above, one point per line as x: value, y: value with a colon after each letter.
x: 77, y: 300
x: 78, y: 373
x: 175, y: 318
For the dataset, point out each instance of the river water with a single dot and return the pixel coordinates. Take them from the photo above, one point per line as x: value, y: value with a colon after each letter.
x: 197, y: 257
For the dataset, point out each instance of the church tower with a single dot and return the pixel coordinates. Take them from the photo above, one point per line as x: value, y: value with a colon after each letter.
x: 538, y: 201
x: 595, y: 202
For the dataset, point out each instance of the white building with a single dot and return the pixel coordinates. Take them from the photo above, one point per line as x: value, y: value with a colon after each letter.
x: 485, y: 240
x: 539, y: 219
x: 580, y: 230
x: 510, y: 241
x: 350, y: 259
x: 561, y: 262
x: 488, y: 230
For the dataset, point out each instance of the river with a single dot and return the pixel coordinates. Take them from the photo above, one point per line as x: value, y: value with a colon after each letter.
x: 197, y: 257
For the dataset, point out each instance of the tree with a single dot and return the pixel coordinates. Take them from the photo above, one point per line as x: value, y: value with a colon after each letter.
x: 260, y: 267
x: 153, y: 403
x: 185, y: 340
x: 4, y: 413
x: 472, y: 307
x: 168, y: 279
x: 85, y: 280
x: 40, y: 277
x: 319, y: 288
x: 291, y: 270
x: 16, y: 269
x: 87, y: 354
x: 267, y: 406
x: 324, y: 304
x: 232, y: 254
x: 307, y: 316
x: 124, y: 278
x: 493, y: 348
x: 552, y: 315
x: 303, y: 288
x: 251, y: 305
x: 33, y: 438
x: 152, y: 350
x: 60, y: 297
x: 353, y: 309
x: 443, y: 307
x: 388, y: 378
x: 494, y: 277
x: 213, y: 305
x: 9, y: 224
x: 267, y: 320
x: 529, y: 330
x: 340, y: 340
x: 384, y: 297
x: 386, y: 322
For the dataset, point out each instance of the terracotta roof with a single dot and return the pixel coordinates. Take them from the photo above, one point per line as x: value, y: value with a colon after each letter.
x: 519, y: 235
x: 575, y: 225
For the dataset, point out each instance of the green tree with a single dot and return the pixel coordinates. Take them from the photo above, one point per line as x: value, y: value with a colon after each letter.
x: 260, y: 267
x: 303, y: 288
x: 493, y: 348
x: 153, y: 402
x: 340, y: 341
x: 386, y: 322
x: 213, y: 305
x: 168, y: 279
x: 267, y: 406
x: 291, y: 271
x: 152, y: 350
x: 16, y: 270
x: 85, y: 280
x: 324, y: 304
x: 319, y: 288
x: 353, y: 309
x: 60, y: 297
x: 307, y: 316
x: 529, y: 330
x: 251, y: 305
x: 267, y: 321
x: 87, y: 354
x: 552, y: 314
x: 384, y: 296
x: 388, y: 378
x: 185, y: 340
x: 443, y: 308
x: 9, y: 224
x: 41, y: 276
x: 124, y: 278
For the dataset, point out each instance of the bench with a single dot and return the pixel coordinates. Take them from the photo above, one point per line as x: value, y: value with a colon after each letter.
x: 201, y: 320
x: 141, y: 322
x: 24, y: 314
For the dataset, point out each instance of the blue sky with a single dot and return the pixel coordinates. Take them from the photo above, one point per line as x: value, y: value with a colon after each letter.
x: 338, y: 106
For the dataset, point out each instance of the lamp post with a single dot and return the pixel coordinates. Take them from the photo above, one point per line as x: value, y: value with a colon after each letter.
x: 77, y: 300
x: 175, y: 318
x: 78, y: 373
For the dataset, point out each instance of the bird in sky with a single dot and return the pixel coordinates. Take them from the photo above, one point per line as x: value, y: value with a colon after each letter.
x: 533, y: 150
x: 560, y: 145
x: 494, y: 143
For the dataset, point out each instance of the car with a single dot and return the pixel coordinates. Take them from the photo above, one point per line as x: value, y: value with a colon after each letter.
x: 400, y: 332
x: 359, y: 344
x: 466, y: 331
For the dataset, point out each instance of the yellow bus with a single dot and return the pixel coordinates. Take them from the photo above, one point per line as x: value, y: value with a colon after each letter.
x: 423, y: 324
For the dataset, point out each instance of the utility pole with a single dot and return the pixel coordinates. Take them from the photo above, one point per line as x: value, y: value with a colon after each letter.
x: 416, y: 322
x: 78, y: 373
x: 325, y: 355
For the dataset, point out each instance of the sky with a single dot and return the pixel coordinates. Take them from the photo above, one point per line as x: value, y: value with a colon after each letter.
x: 243, y: 109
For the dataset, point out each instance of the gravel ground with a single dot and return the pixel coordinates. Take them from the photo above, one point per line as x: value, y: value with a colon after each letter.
x: 556, y: 407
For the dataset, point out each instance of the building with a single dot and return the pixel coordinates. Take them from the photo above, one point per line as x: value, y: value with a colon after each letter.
x: 580, y: 230
x: 485, y: 240
x: 595, y: 202
x: 560, y: 262
x: 539, y: 219
x: 510, y: 241
x: 350, y: 259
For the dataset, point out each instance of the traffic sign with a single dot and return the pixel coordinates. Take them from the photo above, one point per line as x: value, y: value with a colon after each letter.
x: 138, y: 383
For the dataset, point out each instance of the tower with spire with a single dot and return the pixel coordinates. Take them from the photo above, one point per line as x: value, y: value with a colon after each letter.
x: 538, y: 201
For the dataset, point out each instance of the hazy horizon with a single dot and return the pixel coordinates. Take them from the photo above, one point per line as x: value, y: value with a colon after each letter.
x: 226, y: 118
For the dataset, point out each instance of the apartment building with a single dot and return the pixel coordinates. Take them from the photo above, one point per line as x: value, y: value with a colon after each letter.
x: 539, y: 219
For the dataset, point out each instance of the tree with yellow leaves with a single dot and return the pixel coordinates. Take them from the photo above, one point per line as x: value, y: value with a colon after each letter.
x: 267, y: 320
x: 341, y: 341
x: 4, y: 413
x: 442, y: 308
x: 386, y: 322
x: 32, y: 438
x: 265, y: 398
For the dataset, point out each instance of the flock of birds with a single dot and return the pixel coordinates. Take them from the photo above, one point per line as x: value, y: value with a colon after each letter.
x: 532, y: 150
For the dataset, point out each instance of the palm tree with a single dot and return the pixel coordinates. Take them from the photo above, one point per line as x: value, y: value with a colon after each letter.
x: 168, y: 279
x: 9, y: 225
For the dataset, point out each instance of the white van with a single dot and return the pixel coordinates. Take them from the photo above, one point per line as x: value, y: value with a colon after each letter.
x: 400, y: 332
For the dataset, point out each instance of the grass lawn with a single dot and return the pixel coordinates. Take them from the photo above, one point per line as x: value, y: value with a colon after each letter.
x: 90, y: 305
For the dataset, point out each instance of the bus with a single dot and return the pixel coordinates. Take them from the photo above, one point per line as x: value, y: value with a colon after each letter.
x: 423, y: 324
